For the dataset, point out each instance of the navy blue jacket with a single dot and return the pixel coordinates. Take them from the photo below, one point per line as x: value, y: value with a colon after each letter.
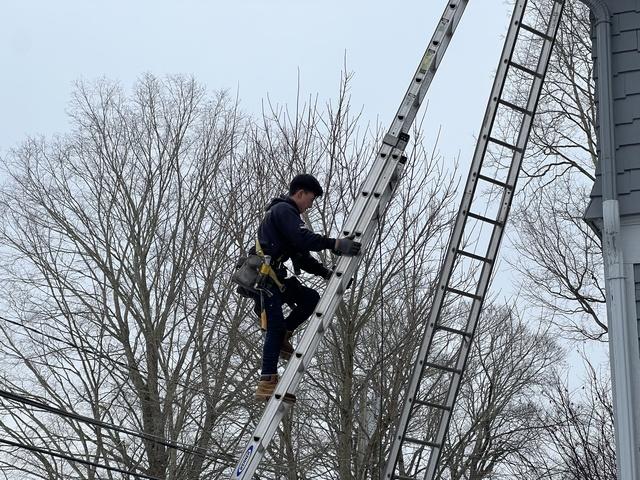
x: 283, y: 235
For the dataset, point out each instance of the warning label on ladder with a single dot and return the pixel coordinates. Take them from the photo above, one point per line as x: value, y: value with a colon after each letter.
x: 244, y: 461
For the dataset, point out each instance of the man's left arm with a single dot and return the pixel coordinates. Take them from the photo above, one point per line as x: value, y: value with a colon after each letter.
x: 306, y: 262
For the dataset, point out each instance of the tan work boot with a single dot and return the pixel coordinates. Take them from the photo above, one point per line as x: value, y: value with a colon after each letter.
x: 266, y: 387
x: 286, y: 349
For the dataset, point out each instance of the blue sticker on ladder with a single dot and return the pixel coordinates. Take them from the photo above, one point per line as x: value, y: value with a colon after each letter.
x: 244, y: 461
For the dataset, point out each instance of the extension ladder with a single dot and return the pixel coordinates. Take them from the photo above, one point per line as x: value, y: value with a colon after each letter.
x: 441, y: 360
x: 375, y: 193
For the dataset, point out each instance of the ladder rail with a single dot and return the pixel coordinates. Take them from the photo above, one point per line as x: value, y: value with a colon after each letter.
x: 453, y: 250
x: 376, y: 192
x: 446, y: 269
x: 428, y: 65
x: 498, y: 233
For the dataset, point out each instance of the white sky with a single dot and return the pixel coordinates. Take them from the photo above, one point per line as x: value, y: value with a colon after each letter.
x: 256, y: 46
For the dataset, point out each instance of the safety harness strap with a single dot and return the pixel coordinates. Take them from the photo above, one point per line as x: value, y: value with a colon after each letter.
x: 266, y: 268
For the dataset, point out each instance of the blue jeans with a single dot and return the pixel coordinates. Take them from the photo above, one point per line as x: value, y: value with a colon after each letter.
x: 302, y: 301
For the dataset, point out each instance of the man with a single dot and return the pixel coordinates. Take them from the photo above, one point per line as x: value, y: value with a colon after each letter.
x: 283, y: 235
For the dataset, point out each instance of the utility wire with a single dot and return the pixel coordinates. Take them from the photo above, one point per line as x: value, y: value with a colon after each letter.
x: 97, y: 423
x: 93, y: 352
x: 66, y: 342
x: 75, y: 459
x: 43, y: 406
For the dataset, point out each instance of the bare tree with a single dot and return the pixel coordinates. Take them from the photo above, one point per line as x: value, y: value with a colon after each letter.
x: 115, y: 243
x: 119, y: 239
x: 496, y: 419
x: 578, y: 437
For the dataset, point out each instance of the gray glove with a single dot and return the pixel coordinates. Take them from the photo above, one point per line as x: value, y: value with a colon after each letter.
x: 347, y: 246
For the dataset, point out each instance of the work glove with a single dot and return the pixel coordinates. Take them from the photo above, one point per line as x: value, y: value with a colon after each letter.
x: 347, y: 246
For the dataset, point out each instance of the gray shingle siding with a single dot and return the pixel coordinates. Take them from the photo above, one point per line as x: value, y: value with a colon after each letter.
x: 626, y: 109
x: 636, y: 275
x: 625, y: 62
x: 624, y: 85
x: 626, y: 15
x: 627, y: 134
x: 625, y: 42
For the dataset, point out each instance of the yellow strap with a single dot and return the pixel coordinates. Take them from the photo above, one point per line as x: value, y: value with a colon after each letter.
x: 259, y: 248
x: 267, y: 269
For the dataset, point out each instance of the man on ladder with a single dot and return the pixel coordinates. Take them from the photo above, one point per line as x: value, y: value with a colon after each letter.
x: 283, y: 235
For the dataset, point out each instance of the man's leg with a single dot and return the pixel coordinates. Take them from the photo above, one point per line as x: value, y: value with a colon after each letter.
x: 275, y: 333
x: 271, y: 351
x: 302, y: 300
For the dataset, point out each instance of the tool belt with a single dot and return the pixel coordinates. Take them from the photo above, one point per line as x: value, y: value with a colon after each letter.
x: 253, y: 272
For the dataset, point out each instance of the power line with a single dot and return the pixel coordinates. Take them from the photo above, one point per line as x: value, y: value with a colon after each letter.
x: 66, y: 342
x: 97, y: 423
x: 75, y: 459
x: 224, y: 459
x: 93, y: 352
x: 43, y: 406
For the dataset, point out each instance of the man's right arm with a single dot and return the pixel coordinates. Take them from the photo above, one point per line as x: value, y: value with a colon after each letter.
x: 298, y: 235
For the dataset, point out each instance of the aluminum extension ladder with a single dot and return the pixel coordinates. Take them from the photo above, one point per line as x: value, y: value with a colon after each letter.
x: 376, y: 191
x: 439, y: 366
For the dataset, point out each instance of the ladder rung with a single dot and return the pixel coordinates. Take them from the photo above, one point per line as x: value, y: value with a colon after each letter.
x: 403, y: 477
x: 432, y: 405
x: 536, y: 32
x: 474, y: 256
x: 533, y: 73
x: 464, y: 333
x: 505, y: 144
x: 426, y: 443
x: 484, y: 219
x: 289, y: 398
x: 442, y: 367
x: 464, y: 294
x: 495, y: 181
x: 515, y: 107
